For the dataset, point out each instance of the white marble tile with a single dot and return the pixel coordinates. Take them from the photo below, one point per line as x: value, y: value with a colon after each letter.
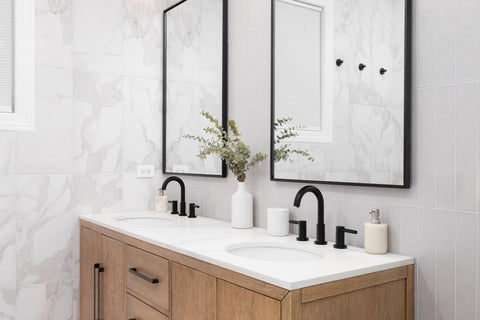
x: 142, y: 135
x: 466, y: 147
x: 409, y: 231
x: 142, y: 38
x: 445, y: 144
x: 50, y: 301
x: 444, y: 259
x: 7, y: 232
x: 97, y: 193
x: 98, y: 122
x: 51, y: 142
x: 76, y: 299
x: 44, y: 229
x: 465, y: 265
x: 53, y: 33
x: 7, y: 305
x: 97, y: 35
x: 139, y: 194
x: 7, y: 156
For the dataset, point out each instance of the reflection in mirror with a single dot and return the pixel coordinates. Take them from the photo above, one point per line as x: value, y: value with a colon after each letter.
x: 194, y: 80
x: 6, y: 55
x: 340, y: 91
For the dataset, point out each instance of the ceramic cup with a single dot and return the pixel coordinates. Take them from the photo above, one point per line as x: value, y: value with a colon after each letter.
x: 277, y: 222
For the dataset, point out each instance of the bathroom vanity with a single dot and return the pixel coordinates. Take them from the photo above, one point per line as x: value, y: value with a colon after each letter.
x: 149, y: 265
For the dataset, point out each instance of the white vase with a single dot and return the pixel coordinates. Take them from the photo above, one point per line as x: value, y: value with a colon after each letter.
x: 242, y: 208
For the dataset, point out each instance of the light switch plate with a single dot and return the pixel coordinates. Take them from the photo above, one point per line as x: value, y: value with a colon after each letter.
x: 145, y: 171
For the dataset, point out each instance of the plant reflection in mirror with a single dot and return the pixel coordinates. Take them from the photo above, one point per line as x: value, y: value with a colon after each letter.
x: 283, y: 150
x: 228, y: 146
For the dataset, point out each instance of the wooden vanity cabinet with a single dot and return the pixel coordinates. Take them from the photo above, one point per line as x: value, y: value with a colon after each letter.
x: 186, y: 288
x: 102, y: 276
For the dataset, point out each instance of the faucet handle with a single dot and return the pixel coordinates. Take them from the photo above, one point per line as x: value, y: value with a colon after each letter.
x: 340, y: 237
x: 191, y: 212
x: 302, y: 229
x: 174, y: 206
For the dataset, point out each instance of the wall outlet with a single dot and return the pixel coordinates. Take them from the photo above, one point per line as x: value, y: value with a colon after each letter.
x: 145, y: 171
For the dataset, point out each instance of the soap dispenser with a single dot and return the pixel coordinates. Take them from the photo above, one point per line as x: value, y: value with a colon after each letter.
x: 376, y: 234
x: 161, y: 201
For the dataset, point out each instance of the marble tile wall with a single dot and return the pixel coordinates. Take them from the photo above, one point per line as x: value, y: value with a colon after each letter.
x: 98, y: 79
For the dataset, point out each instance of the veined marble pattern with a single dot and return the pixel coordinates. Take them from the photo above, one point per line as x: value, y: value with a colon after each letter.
x: 7, y: 232
x: 51, y: 142
x: 7, y: 305
x: 142, y: 108
x: 368, y: 108
x: 45, y: 301
x: 139, y: 194
x: 97, y: 44
x: 143, y: 38
x: 44, y: 229
x: 53, y: 31
x: 97, y: 193
x: 194, y: 75
x: 98, y: 121
x: 7, y: 156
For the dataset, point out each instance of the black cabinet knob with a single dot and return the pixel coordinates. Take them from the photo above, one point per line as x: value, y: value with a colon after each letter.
x: 340, y: 237
x: 302, y: 229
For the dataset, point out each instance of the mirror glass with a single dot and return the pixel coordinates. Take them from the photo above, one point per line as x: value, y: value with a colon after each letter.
x: 341, y: 92
x: 195, y: 77
x: 6, y: 55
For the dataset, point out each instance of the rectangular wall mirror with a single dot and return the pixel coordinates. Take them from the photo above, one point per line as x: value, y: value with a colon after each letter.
x: 195, y: 79
x: 341, y: 92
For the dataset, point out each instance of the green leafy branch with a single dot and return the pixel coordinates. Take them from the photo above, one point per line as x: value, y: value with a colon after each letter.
x: 285, y: 131
x: 228, y: 146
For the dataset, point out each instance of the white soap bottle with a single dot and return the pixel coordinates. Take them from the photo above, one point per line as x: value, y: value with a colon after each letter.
x: 161, y: 201
x: 376, y: 234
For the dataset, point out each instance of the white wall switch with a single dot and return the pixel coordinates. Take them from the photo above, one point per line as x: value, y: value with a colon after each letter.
x: 145, y: 171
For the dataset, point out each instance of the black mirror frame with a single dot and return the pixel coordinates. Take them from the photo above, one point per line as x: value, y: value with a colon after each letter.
x: 224, y: 88
x: 407, y: 110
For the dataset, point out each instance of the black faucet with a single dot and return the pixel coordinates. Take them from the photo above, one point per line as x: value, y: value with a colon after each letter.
x: 182, y: 193
x: 320, y: 208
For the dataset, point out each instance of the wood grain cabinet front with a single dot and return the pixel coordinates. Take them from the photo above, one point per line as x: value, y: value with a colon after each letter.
x: 125, y: 278
x: 102, y: 280
x: 148, y: 277
x: 138, y: 310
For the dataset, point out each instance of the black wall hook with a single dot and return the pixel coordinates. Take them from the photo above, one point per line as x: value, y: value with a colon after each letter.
x: 339, y: 62
x: 383, y: 71
x: 361, y: 66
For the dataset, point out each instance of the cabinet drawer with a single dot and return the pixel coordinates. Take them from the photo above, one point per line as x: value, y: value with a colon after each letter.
x: 148, y: 276
x: 138, y: 310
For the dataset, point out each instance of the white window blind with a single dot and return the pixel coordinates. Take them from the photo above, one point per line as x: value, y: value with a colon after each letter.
x: 6, y: 55
x: 297, y: 62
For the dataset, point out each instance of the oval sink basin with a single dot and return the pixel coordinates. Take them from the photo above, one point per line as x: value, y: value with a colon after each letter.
x: 148, y: 221
x: 272, y: 252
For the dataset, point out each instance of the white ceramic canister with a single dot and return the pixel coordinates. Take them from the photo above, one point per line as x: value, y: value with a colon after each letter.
x: 277, y: 222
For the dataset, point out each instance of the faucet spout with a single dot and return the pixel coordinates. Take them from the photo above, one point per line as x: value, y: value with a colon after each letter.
x: 182, y: 192
x: 320, y: 210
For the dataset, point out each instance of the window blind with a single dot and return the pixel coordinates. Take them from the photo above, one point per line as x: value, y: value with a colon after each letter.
x: 6, y: 55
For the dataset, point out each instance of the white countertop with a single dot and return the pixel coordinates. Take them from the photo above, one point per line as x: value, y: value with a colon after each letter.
x: 206, y: 239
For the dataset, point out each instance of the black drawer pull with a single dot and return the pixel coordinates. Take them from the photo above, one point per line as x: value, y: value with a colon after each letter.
x: 132, y: 319
x: 144, y: 277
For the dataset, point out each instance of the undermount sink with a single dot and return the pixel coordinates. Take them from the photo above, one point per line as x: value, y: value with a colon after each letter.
x: 276, y: 252
x: 150, y: 221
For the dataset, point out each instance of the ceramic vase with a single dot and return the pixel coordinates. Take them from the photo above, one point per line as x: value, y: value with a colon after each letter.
x: 242, y: 208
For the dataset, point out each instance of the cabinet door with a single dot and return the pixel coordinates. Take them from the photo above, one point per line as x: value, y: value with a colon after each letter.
x: 237, y: 303
x: 113, y: 279
x: 90, y: 251
x: 193, y: 294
